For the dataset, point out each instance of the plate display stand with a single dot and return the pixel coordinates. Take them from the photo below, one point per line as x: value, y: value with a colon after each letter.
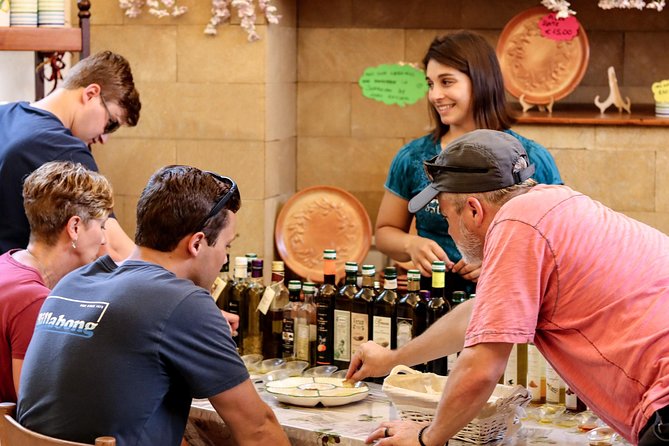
x: 615, y: 98
x: 527, y: 106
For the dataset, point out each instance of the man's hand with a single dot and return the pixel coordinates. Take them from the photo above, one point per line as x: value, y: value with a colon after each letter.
x: 468, y: 271
x: 233, y: 322
x: 370, y: 360
x: 395, y: 433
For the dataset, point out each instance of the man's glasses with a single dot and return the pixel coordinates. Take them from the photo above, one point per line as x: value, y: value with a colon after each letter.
x: 112, y: 124
x: 232, y: 190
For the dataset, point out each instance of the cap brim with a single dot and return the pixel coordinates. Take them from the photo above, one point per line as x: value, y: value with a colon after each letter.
x: 422, y: 199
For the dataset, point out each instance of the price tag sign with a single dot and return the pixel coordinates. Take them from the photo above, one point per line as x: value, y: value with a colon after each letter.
x: 661, y: 91
x: 393, y: 84
x: 558, y: 29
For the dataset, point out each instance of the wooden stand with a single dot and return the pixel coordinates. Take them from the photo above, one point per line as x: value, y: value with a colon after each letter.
x: 527, y: 106
x: 615, y: 98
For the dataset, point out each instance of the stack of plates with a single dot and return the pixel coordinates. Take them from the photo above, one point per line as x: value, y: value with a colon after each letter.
x: 23, y: 13
x: 51, y: 13
x: 662, y: 109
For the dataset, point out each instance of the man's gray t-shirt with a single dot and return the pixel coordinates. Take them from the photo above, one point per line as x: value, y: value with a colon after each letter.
x: 122, y: 350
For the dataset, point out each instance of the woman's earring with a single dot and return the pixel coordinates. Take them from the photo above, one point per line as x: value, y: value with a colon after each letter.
x: 74, y: 244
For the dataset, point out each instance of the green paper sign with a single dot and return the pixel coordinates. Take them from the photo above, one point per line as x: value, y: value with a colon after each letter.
x: 393, y: 84
x: 661, y: 91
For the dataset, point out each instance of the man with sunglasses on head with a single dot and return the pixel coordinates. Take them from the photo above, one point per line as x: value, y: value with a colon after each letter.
x: 122, y: 349
x: 95, y: 99
x: 559, y: 269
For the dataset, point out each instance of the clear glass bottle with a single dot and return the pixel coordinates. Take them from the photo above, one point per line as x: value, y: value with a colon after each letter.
x: 436, y: 308
x: 361, y: 309
x: 411, y: 311
x: 342, y: 317
x: 384, y: 316
x: 252, y: 339
x: 271, y: 308
x: 305, y: 341
x: 325, y: 300
x: 236, y: 302
x: 289, y: 321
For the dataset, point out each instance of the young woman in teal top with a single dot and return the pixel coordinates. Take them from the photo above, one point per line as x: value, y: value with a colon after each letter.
x: 466, y: 92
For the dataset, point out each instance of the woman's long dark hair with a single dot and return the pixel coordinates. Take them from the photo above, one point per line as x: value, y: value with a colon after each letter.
x: 471, y: 54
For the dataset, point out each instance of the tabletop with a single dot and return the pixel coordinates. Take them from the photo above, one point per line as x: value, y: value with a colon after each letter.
x: 349, y: 425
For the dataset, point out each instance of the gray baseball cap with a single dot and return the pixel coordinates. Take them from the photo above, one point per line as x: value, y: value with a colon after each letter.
x: 479, y: 161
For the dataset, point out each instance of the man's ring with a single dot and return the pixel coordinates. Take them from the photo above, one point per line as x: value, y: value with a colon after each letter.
x: 385, y: 433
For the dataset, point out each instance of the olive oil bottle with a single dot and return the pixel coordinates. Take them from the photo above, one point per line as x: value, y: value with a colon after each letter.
x: 305, y: 331
x: 236, y: 300
x: 436, y: 308
x: 289, y: 323
x: 361, y: 309
x: 271, y: 308
x: 342, y: 317
x: 384, y: 312
x: 325, y: 301
x: 252, y: 339
x: 411, y: 311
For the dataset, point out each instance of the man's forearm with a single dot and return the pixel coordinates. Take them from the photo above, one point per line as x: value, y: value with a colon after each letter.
x: 444, y: 337
x: 469, y: 386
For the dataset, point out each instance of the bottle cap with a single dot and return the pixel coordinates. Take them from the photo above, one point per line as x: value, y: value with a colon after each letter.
x: 330, y: 254
x: 368, y: 270
x: 390, y: 272
x: 351, y: 267
x: 413, y: 274
x: 241, y: 261
x: 309, y: 287
x: 257, y: 263
x: 438, y: 266
x: 251, y: 255
x: 278, y: 266
x: 294, y: 285
x: 459, y: 297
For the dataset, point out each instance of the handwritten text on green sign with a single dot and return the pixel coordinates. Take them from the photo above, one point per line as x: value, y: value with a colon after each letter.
x: 393, y: 84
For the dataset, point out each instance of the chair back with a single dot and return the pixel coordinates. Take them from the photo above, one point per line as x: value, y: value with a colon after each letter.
x: 13, y: 434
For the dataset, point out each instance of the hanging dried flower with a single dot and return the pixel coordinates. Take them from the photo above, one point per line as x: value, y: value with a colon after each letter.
x: 563, y: 10
x: 220, y: 12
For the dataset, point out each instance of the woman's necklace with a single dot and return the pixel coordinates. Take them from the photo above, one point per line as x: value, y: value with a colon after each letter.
x: 42, y: 270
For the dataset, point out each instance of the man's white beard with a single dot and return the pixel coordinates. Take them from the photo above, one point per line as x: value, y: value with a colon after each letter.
x: 470, y: 246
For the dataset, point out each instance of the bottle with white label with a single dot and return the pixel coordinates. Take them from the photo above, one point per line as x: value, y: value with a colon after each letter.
x: 361, y: 309
x: 536, y: 374
x: 305, y: 330
x: 236, y: 300
x: 342, y: 317
x: 384, y: 316
x: 289, y: 323
x: 436, y: 308
x: 555, y: 388
x: 411, y: 311
x: 325, y: 301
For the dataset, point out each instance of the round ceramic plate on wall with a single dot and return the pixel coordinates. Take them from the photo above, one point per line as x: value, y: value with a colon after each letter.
x: 318, y: 218
x: 542, y: 69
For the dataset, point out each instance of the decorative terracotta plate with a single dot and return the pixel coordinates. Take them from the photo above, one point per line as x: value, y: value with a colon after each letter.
x: 318, y: 218
x: 309, y: 391
x: 542, y: 69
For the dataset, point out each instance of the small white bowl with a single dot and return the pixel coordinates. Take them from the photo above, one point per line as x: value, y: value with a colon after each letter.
x: 321, y: 370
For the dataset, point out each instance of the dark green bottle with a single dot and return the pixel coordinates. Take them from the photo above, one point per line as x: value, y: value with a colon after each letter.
x: 361, y: 309
x: 436, y: 308
x: 384, y: 316
x: 325, y: 301
x: 342, y: 317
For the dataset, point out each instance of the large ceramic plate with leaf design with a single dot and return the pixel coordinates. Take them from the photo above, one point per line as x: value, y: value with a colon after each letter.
x: 538, y: 67
x: 318, y: 218
x: 309, y: 391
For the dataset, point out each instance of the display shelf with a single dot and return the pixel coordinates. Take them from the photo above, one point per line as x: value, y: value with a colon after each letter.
x: 584, y: 114
x: 46, y: 41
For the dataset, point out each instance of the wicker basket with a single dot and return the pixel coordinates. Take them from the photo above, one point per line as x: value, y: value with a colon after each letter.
x: 415, y: 395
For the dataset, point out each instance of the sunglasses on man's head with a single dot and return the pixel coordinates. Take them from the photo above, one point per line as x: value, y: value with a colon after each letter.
x: 112, y: 124
x: 232, y: 189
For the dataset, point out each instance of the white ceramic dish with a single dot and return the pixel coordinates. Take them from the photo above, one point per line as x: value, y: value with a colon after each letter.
x: 309, y: 391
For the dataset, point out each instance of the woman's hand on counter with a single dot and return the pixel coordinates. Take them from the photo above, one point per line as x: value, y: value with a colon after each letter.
x: 370, y: 360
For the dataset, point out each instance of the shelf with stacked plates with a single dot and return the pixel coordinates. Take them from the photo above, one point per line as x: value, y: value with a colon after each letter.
x: 45, y: 42
x: 587, y: 114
